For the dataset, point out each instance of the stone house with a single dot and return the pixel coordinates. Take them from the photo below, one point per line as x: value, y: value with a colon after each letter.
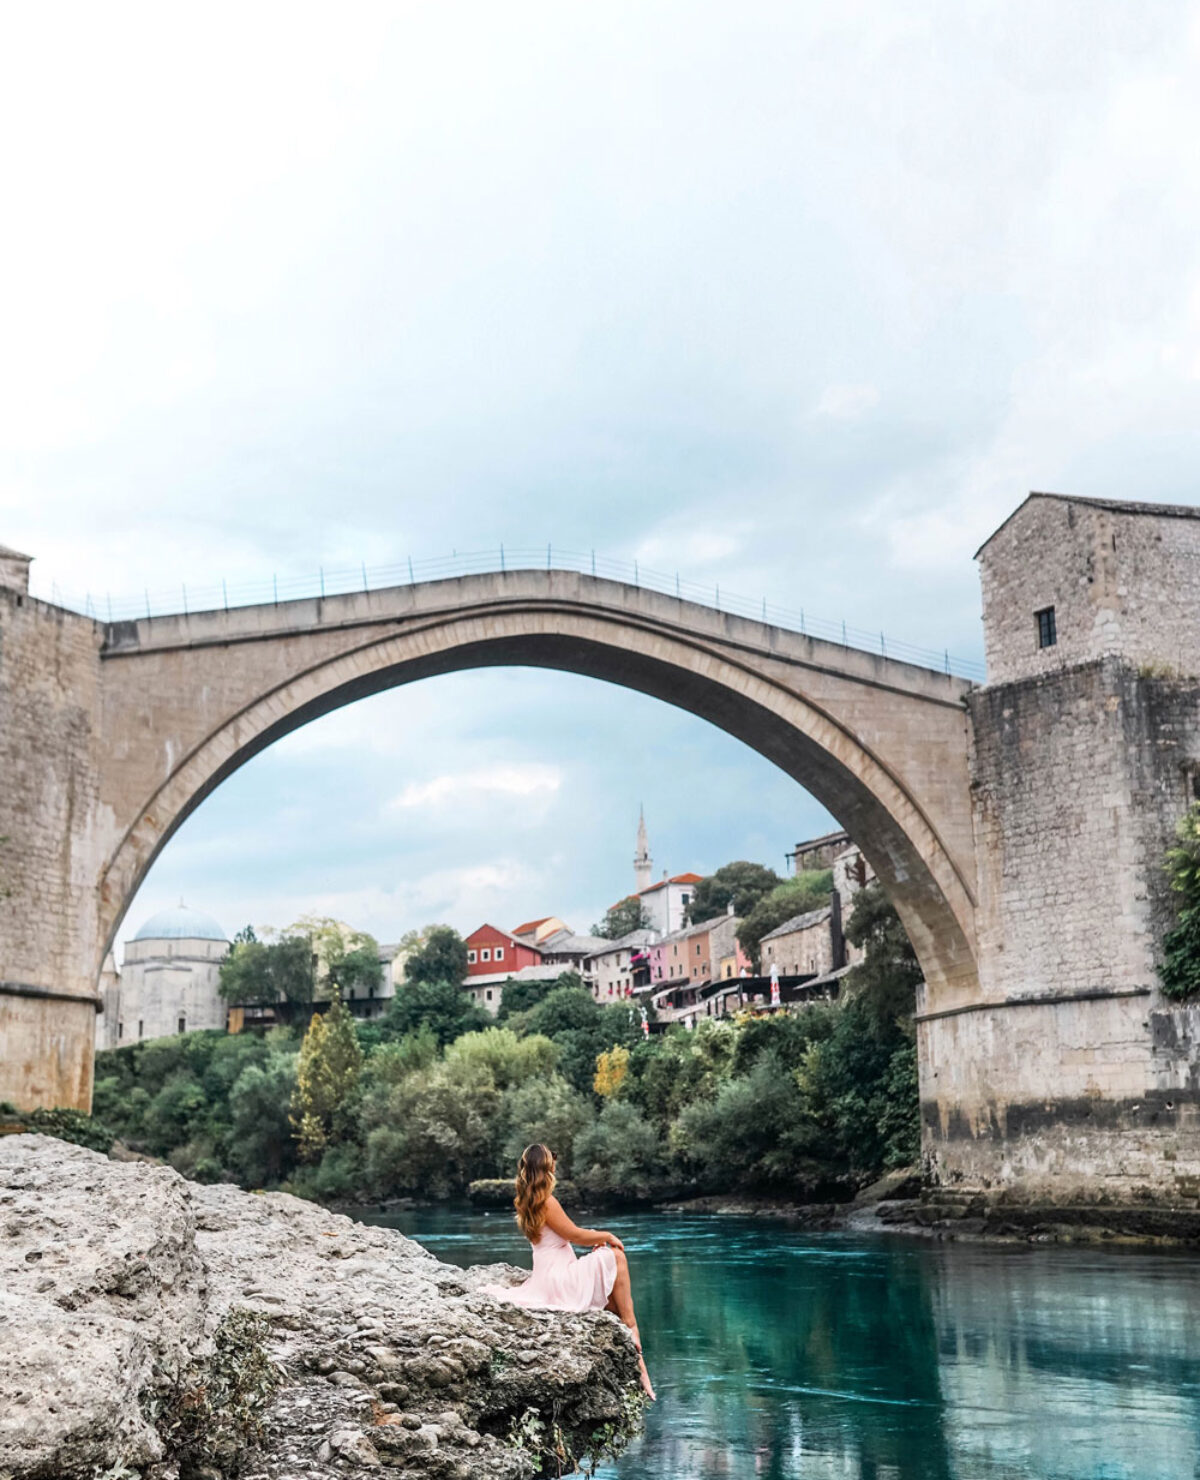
x: 801, y: 946
x: 611, y: 972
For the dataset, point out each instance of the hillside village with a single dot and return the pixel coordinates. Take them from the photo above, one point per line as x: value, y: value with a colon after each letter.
x: 669, y: 969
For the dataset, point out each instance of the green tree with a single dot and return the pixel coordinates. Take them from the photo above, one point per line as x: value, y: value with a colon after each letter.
x: 796, y: 896
x: 265, y: 972
x: 741, y: 884
x: 754, y: 1134
x: 262, y: 1149
x: 621, y: 1155
x: 619, y: 919
x: 517, y: 997
x: 886, y: 980
x: 442, y: 958
x: 327, y: 1077
x: 1180, y: 969
x: 545, y: 1109
x: 432, y: 1137
x: 345, y: 958
x: 441, y: 1006
x: 502, y: 1058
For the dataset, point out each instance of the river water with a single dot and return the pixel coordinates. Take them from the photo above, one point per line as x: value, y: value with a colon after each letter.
x: 782, y: 1355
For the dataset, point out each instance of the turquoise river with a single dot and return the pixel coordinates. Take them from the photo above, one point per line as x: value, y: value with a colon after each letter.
x: 780, y: 1354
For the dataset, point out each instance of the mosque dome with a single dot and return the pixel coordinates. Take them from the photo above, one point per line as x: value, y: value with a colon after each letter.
x: 181, y: 924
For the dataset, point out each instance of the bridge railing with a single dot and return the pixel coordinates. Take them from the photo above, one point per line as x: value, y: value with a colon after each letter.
x: 344, y: 580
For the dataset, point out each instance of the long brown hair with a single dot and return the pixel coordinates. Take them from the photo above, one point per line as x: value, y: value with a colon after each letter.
x: 535, y: 1183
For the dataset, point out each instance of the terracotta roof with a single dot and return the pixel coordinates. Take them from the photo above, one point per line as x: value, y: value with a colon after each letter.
x: 524, y: 944
x: 1116, y: 506
x: 531, y: 925
x: 675, y: 879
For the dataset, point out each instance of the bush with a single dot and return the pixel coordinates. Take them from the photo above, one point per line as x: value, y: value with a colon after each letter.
x: 621, y: 1155
x: 547, y: 1110
x: 1180, y: 969
x: 755, y: 1135
x: 503, y: 1059
x: 71, y: 1125
x: 432, y: 1137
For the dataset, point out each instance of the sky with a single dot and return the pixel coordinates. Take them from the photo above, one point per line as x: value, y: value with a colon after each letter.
x: 800, y: 300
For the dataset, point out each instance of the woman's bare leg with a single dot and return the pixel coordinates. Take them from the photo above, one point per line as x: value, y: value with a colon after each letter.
x: 620, y: 1302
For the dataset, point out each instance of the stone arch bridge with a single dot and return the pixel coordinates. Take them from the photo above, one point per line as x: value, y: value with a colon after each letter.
x: 112, y: 733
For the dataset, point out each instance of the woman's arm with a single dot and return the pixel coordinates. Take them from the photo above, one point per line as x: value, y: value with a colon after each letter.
x: 593, y: 1238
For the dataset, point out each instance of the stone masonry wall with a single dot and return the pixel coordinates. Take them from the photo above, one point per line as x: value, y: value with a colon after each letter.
x: 1079, y: 778
x: 49, y: 675
x: 1121, y: 580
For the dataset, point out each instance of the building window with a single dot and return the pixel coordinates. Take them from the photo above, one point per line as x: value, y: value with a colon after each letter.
x: 1047, y: 630
x: 120, y: 1031
x: 485, y: 954
x: 471, y: 958
x: 499, y: 953
x: 489, y: 994
x: 683, y: 898
x: 182, y: 1025
x: 141, y: 1025
x: 697, y: 948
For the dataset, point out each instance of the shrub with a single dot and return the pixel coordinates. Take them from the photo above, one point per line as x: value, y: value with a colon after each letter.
x: 505, y: 1060
x: 547, y: 1110
x: 71, y: 1125
x: 621, y: 1155
x: 1180, y: 969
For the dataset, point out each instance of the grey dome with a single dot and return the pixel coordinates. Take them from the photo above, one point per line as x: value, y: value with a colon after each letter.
x: 181, y: 924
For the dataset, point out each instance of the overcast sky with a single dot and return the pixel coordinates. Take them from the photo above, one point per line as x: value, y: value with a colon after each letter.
x: 800, y: 298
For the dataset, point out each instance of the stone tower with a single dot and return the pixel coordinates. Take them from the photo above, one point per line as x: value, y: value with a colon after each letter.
x: 642, y: 865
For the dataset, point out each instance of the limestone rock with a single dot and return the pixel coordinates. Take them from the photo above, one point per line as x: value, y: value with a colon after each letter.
x: 120, y: 1282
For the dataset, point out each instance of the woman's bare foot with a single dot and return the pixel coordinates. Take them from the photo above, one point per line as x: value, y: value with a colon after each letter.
x: 647, y: 1387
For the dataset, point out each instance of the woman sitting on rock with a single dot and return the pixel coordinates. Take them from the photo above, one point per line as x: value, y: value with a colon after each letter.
x: 560, y: 1281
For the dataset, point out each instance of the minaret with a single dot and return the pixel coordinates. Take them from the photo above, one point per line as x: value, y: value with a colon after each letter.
x: 642, y: 869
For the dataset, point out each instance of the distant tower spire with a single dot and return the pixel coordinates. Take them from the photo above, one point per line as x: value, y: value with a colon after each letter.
x: 642, y: 868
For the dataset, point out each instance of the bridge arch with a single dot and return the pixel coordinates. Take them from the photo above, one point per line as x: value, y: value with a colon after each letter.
x: 187, y: 701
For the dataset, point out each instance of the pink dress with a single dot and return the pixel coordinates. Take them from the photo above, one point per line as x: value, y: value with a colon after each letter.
x: 560, y: 1281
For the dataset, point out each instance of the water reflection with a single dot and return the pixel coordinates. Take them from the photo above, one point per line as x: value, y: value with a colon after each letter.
x: 781, y: 1355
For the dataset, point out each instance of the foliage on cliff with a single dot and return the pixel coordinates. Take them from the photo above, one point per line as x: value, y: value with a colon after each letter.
x: 1180, y: 969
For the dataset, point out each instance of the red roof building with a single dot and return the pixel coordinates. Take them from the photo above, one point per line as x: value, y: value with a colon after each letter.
x: 491, y: 951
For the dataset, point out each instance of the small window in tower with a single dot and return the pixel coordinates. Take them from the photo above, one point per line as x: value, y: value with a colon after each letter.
x: 120, y: 1031
x: 1046, y: 629
x: 182, y: 1025
x: 141, y: 1025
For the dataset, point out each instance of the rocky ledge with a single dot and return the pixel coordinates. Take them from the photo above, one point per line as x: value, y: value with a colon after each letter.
x: 151, y: 1327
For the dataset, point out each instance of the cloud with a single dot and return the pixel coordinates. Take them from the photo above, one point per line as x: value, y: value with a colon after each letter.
x: 514, y: 781
x: 846, y: 402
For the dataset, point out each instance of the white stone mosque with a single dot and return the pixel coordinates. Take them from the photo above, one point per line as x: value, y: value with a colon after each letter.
x: 169, y: 980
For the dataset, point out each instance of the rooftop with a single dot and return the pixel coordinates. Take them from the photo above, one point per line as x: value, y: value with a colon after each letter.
x: 181, y: 924
x: 674, y: 879
x: 1115, y: 506
x: 567, y: 942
